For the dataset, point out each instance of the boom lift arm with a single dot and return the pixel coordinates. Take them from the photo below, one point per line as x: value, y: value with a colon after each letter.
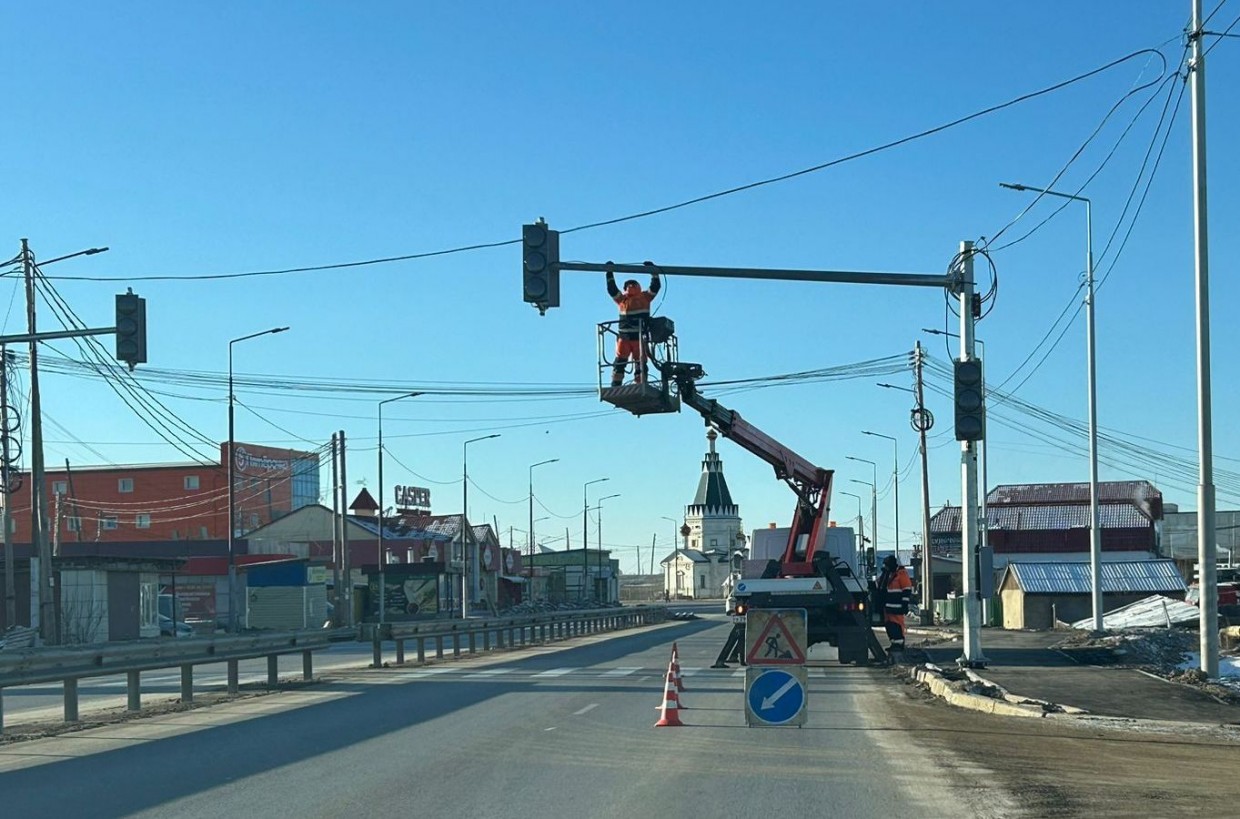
x: 812, y: 484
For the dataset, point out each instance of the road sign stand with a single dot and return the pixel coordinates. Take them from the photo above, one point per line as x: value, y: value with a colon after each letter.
x: 776, y: 680
x: 776, y: 695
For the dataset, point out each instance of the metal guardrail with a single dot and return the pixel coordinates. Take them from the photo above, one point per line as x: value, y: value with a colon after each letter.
x: 509, y: 632
x: 70, y: 664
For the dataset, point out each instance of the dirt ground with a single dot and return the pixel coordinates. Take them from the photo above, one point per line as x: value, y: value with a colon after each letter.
x: 1062, y: 767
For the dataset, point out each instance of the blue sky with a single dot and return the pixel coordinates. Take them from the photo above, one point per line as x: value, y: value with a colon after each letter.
x: 234, y: 137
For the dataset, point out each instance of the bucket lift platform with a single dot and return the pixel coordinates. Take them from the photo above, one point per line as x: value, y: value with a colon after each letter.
x: 653, y: 394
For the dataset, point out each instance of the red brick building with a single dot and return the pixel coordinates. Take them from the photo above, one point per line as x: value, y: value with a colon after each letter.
x: 179, y: 501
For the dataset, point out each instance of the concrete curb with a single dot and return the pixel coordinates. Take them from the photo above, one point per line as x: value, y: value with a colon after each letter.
x: 1006, y: 704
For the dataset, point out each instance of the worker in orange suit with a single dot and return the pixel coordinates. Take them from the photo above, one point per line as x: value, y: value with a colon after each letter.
x: 897, y: 594
x: 634, y: 316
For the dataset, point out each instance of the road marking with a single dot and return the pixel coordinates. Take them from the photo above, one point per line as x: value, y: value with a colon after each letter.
x: 642, y: 679
x: 490, y: 672
x: 621, y: 672
x: 555, y: 672
x: 427, y: 672
x: 589, y: 707
x: 552, y: 728
x: 738, y: 674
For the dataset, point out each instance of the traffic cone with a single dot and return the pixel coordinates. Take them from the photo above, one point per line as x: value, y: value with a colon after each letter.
x: 670, y: 716
x: 674, y: 673
x: 675, y: 652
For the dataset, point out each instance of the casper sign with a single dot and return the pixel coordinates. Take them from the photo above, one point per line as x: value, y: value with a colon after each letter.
x: 413, y: 497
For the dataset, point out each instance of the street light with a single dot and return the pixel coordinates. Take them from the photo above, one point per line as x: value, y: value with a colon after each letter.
x: 585, y: 533
x: 895, y: 481
x: 466, y: 554
x: 873, y: 513
x: 675, y: 529
x: 860, y: 548
x: 873, y: 499
x: 232, y: 513
x: 530, y: 545
x: 382, y: 557
x: 1095, y: 533
x: 598, y: 509
x: 48, y: 629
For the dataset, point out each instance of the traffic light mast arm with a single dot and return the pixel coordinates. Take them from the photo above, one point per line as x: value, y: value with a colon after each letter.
x: 54, y: 334
x: 770, y: 274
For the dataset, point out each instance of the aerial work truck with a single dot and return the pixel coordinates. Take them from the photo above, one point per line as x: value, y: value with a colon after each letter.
x: 806, y: 575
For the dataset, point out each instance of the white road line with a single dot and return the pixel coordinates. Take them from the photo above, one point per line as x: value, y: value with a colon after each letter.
x: 621, y: 672
x: 552, y: 728
x: 642, y: 679
x: 739, y: 674
x: 588, y: 708
x: 555, y: 672
x: 689, y: 672
x: 489, y: 672
x: 427, y: 672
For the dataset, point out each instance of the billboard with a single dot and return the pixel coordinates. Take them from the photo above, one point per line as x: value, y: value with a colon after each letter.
x: 406, y: 596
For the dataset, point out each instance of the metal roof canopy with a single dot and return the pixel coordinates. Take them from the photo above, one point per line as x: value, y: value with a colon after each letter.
x: 1116, y: 578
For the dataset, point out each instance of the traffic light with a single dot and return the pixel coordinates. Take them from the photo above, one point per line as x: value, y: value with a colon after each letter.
x: 541, y: 251
x: 970, y: 401
x: 130, y: 329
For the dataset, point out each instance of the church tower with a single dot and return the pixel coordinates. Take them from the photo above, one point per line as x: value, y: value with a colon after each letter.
x: 713, y: 519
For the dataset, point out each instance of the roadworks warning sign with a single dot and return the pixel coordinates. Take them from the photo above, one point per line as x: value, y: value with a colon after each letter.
x: 775, y: 637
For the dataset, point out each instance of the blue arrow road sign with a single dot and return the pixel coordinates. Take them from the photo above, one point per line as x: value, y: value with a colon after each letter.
x: 776, y: 696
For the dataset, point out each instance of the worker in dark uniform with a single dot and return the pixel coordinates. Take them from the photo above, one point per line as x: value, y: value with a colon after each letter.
x: 634, y: 316
x: 896, y: 592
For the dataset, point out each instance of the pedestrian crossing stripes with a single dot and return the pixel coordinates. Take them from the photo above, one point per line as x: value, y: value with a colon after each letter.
x: 593, y: 672
x: 621, y: 672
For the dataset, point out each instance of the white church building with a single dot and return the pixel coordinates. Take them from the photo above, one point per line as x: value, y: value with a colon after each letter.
x: 712, y: 533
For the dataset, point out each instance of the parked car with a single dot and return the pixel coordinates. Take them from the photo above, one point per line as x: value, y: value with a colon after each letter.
x: 166, y: 628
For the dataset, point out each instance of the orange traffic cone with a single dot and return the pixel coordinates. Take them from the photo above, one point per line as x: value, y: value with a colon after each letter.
x: 675, y: 652
x: 674, y: 673
x: 670, y: 716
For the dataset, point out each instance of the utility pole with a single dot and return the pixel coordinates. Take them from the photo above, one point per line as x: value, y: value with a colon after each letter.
x: 336, y: 610
x: 38, y: 498
x: 922, y: 423
x: 1206, y: 553
x: 10, y: 582
x: 345, y: 556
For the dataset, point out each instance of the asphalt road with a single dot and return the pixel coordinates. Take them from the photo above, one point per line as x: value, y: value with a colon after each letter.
x: 547, y: 732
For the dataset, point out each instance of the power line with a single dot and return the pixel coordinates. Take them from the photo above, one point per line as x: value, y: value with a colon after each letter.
x: 659, y: 210
x: 1106, y: 249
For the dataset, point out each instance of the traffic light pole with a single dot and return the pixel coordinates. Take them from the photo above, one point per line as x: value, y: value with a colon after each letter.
x: 541, y: 271
x: 968, y: 478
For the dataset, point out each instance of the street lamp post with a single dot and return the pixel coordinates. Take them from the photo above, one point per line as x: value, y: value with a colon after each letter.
x: 675, y: 531
x: 49, y: 632
x: 1095, y: 533
x: 530, y: 546
x: 598, y: 510
x: 585, y: 532
x: 859, y: 555
x: 873, y: 499
x: 232, y: 500
x: 895, y: 482
x: 873, y: 516
x: 467, y: 555
x: 380, y: 555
